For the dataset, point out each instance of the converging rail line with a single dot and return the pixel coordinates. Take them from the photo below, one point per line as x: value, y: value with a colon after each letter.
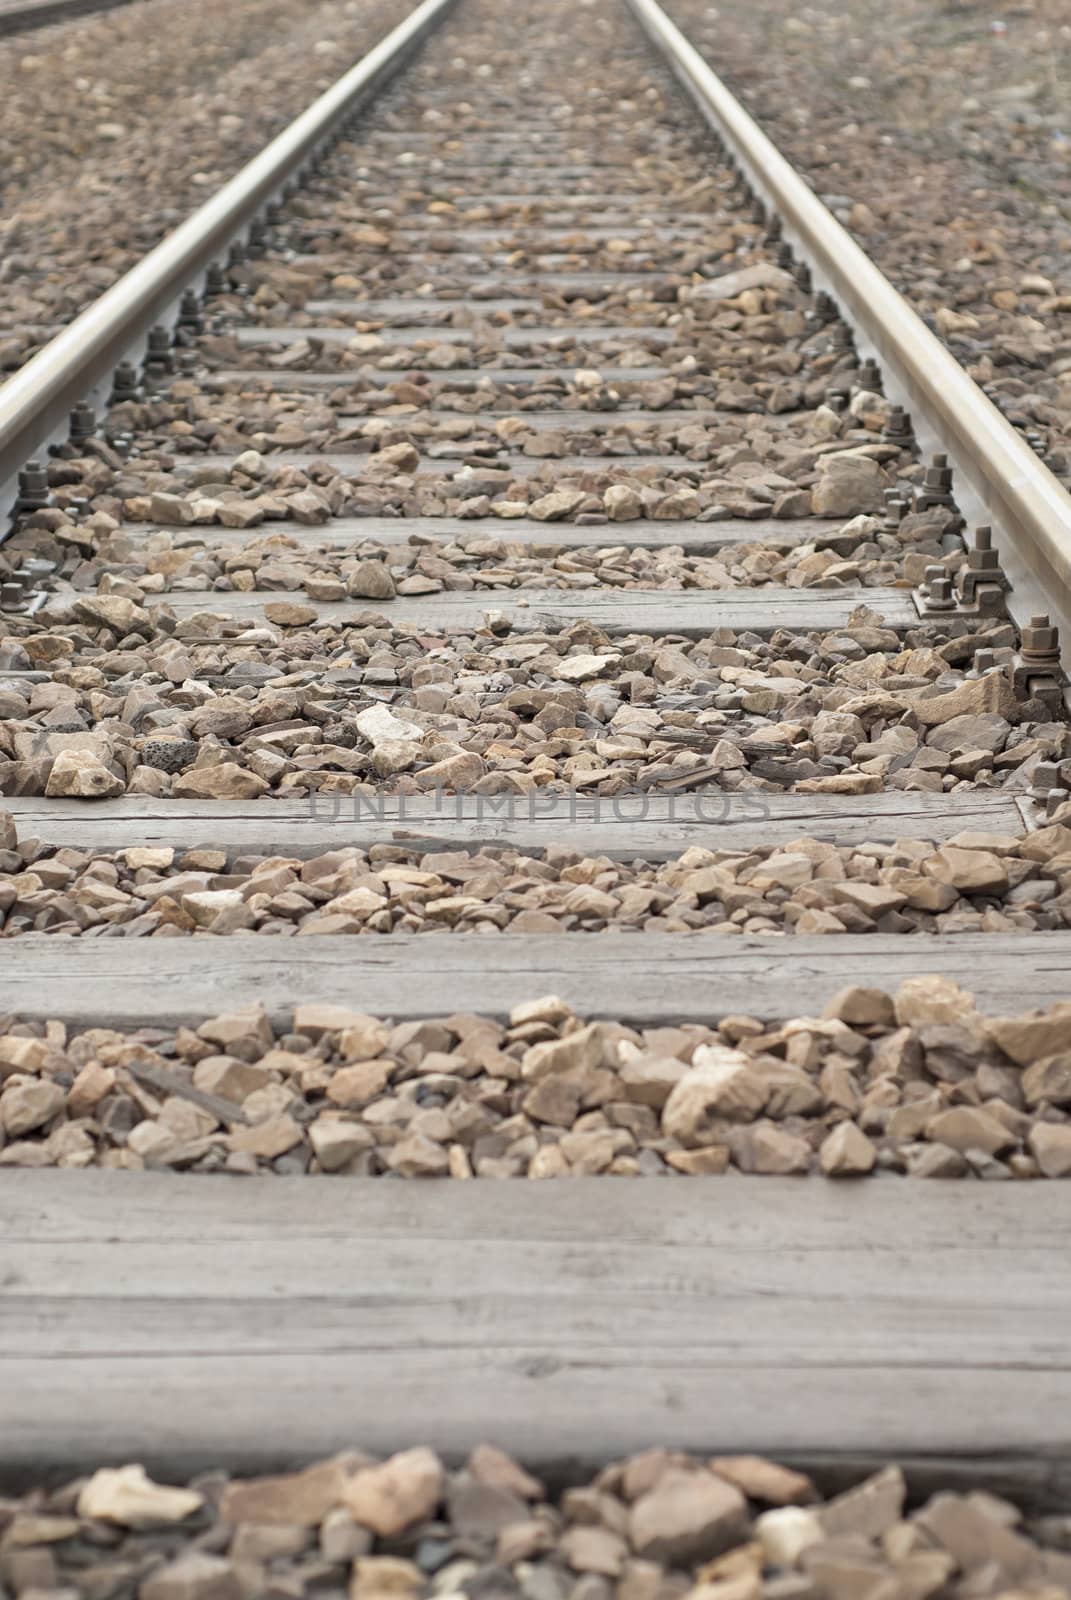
x: 521, y: 658
x: 23, y: 16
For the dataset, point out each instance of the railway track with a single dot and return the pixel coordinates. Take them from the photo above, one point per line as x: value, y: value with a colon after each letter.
x: 23, y: 16
x: 501, y: 678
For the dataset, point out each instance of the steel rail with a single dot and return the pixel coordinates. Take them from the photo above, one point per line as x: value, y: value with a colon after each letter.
x: 999, y: 479
x: 43, y: 13
x: 37, y: 400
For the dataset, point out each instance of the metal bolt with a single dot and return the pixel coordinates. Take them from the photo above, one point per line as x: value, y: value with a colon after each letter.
x: 983, y: 557
x: 983, y: 565
x: 125, y: 384
x: 189, y: 313
x: 840, y: 337
x: 895, y: 510
x: 868, y: 377
x: 939, y: 473
x: 33, y: 487
x: 981, y: 583
x: 10, y: 596
x: 825, y: 307
x: 984, y: 661
x: 34, y: 568
x: 1047, y: 776
x: 937, y: 588
x: 898, y: 429
x: 773, y: 230
x: 802, y: 274
x: 158, y: 352
x: 1040, y: 648
x: 82, y: 424
x: 215, y: 280
x: 236, y: 254
x: 1036, y: 672
x: 1051, y: 783
x: 784, y: 257
x: 936, y: 488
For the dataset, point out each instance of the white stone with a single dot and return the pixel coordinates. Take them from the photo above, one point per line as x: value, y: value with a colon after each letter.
x: 785, y: 1533
x: 80, y: 774
x: 127, y: 1495
x: 720, y: 1084
x: 376, y: 724
x: 576, y: 669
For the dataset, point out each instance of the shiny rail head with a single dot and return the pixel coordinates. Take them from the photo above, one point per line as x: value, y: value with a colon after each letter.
x: 1000, y: 479
x: 43, y: 13
x: 77, y: 365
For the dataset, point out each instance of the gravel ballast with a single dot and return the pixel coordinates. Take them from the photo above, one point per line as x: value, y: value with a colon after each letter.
x: 116, y: 126
x: 169, y: 675
x: 917, y: 1083
x: 661, y: 1524
x: 940, y: 137
x: 975, y: 882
